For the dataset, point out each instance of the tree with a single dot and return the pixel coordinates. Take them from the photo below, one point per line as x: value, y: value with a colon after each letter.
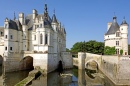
x: 121, y: 52
x: 67, y: 50
x: 95, y: 47
x: 109, y: 50
x: 91, y: 46
x: 129, y: 49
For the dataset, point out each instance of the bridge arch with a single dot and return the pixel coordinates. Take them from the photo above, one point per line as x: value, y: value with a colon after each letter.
x: 26, y: 63
x: 92, y: 63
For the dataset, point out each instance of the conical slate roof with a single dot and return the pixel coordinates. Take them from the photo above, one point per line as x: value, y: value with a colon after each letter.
x: 54, y: 20
x: 124, y: 22
x: 113, y: 28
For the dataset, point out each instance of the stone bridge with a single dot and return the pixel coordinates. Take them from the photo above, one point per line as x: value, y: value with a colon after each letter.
x: 115, y: 67
x: 85, y: 58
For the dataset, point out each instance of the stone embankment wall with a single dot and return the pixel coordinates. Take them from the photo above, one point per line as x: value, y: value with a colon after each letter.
x: 11, y: 63
x: 124, y: 68
x: 109, y: 66
x: 67, y: 60
x: 46, y: 61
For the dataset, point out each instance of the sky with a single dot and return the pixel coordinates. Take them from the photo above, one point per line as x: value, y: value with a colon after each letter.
x: 84, y: 20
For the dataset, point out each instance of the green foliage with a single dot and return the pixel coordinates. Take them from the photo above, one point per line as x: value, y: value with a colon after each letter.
x: 67, y: 50
x: 109, y: 50
x: 76, y: 47
x: 91, y: 46
x: 121, y: 52
x: 129, y: 49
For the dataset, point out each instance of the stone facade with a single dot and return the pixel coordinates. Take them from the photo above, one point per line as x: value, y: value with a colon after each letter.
x: 37, y: 36
x: 117, y: 36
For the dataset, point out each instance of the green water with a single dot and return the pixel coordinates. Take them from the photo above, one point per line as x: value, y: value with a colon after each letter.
x: 78, y: 78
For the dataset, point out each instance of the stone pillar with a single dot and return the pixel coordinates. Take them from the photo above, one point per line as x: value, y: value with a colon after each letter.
x: 81, y: 78
x: 81, y: 60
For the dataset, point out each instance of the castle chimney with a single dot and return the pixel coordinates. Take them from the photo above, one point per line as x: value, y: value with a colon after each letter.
x: 21, y: 18
x: 34, y: 13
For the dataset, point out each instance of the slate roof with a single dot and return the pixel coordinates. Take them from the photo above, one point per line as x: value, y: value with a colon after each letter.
x: 13, y: 25
x: 54, y: 20
x: 47, y: 23
x: 19, y: 25
x: 16, y: 25
x: 113, y: 28
x: 29, y: 21
x: 124, y: 22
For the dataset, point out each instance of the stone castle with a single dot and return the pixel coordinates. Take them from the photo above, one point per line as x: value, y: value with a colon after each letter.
x: 117, y: 36
x: 37, y: 36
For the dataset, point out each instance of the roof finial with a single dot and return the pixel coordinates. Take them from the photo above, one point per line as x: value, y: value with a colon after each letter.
x: 54, y: 10
x: 114, y: 18
x: 14, y: 15
x: 124, y: 17
x: 124, y: 21
x: 114, y: 14
x: 45, y: 10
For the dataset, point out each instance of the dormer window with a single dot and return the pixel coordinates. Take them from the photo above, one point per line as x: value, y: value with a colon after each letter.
x: 117, y: 34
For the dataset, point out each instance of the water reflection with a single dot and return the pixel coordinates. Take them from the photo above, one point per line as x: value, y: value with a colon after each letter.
x: 56, y: 79
x: 10, y: 79
x: 78, y: 78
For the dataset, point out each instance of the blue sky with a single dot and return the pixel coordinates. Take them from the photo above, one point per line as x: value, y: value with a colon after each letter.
x: 84, y: 20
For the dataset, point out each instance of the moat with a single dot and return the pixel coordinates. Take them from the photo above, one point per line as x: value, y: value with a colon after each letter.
x: 78, y: 78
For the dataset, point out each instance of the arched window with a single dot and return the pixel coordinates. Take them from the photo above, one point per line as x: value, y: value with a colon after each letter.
x: 46, y: 39
x: 41, y: 38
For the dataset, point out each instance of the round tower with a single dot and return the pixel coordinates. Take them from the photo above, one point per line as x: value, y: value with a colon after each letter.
x: 124, y: 34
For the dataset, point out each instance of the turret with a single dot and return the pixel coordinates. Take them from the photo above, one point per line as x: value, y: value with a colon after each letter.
x: 21, y: 18
x: 124, y: 27
x: 34, y: 13
x: 54, y: 21
x: 124, y: 35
